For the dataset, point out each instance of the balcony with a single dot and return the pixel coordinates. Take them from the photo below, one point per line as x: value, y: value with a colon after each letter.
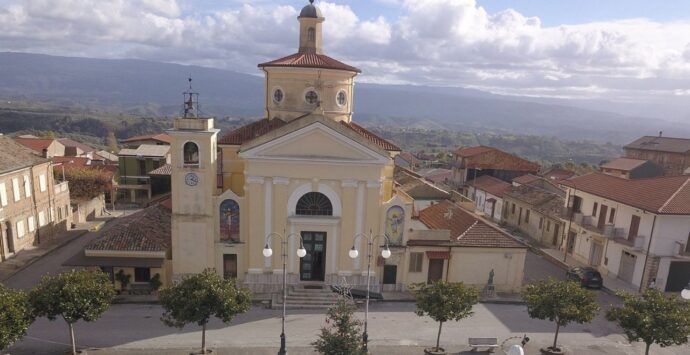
x: 61, y: 188
x: 638, y: 243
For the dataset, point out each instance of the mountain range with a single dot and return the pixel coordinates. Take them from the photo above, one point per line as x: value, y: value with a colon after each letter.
x: 155, y: 89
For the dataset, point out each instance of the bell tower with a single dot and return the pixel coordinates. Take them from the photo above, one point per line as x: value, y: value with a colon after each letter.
x: 310, y: 29
x: 193, y: 162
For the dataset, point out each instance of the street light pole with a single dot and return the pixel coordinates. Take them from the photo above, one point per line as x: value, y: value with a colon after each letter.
x: 386, y: 253
x: 301, y: 252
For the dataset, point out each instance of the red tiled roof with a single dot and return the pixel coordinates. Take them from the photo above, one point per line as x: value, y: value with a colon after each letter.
x: 482, y: 157
x: 526, y: 179
x: 625, y: 164
x: 309, y: 60
x: 148, y: 230
x: 466, y: 230
x: 384, y: 144
x: 257, y: 129
x: 558, y: 174
x: 409, y: 157
x: 162, y: 170
x: 37, y: 144
x: 663, y: 195
x: 161, y: 137
x: 15, y: 156
x: 490, y: 184
x: 662, y: 144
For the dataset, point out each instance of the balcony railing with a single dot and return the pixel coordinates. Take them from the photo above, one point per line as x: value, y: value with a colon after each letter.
x: 61, y: 188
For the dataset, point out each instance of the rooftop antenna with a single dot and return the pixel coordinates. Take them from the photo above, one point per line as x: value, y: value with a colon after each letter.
x: 191, y: 101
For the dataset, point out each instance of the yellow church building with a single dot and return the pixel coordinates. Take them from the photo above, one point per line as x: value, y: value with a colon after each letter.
x: 307, y: 171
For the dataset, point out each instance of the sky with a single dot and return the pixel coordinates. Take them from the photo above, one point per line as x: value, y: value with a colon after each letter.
x: 624, y: 51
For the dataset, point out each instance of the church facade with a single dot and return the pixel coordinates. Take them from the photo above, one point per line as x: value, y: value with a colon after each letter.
x: 306, y: 171
x: 308, y: 174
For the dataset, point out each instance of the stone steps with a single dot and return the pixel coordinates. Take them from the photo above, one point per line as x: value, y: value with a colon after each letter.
x: 301, y: 297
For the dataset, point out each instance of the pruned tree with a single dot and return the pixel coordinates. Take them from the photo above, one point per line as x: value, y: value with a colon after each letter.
x: 561, y: 302
x: 444, y: 301
x: 15, y: 316
x: 343, y: 333
x: 653, y: 318
x: 73, y: 296
x: 199, y: 297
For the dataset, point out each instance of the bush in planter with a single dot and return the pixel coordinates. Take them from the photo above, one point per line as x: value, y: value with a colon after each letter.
x: 444, y: 301
x: 561, y: 302
x: 155, y: 283
x: 123, y: 279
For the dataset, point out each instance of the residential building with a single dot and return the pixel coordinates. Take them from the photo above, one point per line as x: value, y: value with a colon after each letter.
x: 33, y: 208
x: 107, y: 158
x: 438, y: 176
x: 628, y: 168
x: 536, y: 213
x: 76, y: 149
x: 449, y: 243
x: 134, y: 182
x: 422, y: 192
x: 487, y: 193
x: 637, y: 230
x: 149, y: 139
x: 45, y: 147
x: 471, y: 163
x: 672, y: 154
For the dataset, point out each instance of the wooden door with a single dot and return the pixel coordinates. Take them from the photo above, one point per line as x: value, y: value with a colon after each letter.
x: 230, y: 266
x: 634, y: 227
x: 435, y: 270
x: 556, y: 232
x: 602, y: 216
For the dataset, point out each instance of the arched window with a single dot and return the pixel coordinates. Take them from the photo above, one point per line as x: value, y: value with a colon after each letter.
x: 311, y: 35
x: 230, y: 221
x: 191, y: 153
x: 314, y: 204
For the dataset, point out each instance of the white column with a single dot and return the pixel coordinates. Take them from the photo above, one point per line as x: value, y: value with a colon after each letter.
x: 268, y: 221
x: 334, y: 250
x: 359, y: 222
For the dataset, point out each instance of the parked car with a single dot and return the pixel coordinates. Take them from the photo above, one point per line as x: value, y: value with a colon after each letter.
x: 586, y: 276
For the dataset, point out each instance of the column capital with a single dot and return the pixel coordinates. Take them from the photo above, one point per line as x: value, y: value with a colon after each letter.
x: 255, y: 180
x: 374, y: 184
x: 280, y: 180
x: 349, y: 183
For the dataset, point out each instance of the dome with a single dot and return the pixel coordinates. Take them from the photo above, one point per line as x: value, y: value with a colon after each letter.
x: 310, y: 11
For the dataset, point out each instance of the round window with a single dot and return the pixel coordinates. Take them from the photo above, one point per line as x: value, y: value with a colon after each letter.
x: 278, y: 96
x: 311, y: 97
x: 341, y: 99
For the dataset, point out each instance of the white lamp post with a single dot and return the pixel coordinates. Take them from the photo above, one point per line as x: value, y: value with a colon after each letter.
x: 686, y: 292
x: 268, y: 252
x: 353, y: 253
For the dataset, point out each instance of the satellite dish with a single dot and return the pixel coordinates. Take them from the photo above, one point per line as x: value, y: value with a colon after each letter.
x: 516, y: 350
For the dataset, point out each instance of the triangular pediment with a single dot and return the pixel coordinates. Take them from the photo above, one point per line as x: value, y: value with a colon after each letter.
x: 315, y: 140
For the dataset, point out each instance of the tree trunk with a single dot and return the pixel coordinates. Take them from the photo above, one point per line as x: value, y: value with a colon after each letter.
x: 71, y: 336
x: 203, y: 339
x: 555, y: 339
x: 646, y: 350
x: 438, y: 338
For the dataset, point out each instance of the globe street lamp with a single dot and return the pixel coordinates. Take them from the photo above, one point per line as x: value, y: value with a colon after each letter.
x: 301, y: 252
x: 353, y: 253
x: 686, y: 292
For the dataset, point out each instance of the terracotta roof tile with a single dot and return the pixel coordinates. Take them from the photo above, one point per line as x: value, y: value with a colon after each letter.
x: 558, y: 174
x: 662, y: 144
x: 625, y: 164
x: 490, y: 184
x: 466, y: 230
x: 540, y: 200
x: 72, y: 161
x: 14, y: 156
x: 257, y: 129
x: 161, y: 137
x: 163, y: 170
x: 37, y: 144
x: 148, y: 230
x: 663, y: 195
x: 482, y: 157
x: 526, y: 179
x: 310, y: 60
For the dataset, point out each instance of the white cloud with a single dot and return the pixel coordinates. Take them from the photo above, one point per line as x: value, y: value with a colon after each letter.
x: 444, y: 42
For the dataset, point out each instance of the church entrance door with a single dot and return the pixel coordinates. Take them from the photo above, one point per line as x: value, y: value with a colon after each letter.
x: 312, y: 267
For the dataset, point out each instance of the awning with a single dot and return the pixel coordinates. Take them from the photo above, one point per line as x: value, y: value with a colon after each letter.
x: 82, y: 260
x: 438, y: 255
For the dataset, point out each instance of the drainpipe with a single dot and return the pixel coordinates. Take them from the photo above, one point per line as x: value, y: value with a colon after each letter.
x: 646, y: 257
